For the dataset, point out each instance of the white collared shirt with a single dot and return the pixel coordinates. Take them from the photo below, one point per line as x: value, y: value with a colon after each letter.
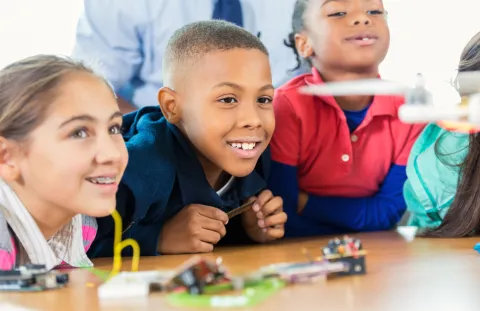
x: 124, y: 40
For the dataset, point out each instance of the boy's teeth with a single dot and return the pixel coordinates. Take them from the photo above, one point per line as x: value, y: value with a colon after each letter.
x: 244, y: 146
x: 102, y: 180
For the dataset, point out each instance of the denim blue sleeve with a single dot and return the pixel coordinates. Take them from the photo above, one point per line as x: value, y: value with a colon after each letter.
x: 332, y: 215
x: 109, y: 38
x: 283, y: 182
x: 381, y: 211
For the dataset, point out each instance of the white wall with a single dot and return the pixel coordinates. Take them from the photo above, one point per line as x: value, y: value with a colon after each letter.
x: 29, y: 27
x: 427, y: 35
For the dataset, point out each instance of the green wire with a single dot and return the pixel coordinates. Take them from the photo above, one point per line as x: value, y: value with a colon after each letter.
x: 103, y: 275
x: 250, y: 296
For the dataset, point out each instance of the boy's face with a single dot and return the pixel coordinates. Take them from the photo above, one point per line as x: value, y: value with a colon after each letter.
x: 226, y: 109
x: 348, y: 34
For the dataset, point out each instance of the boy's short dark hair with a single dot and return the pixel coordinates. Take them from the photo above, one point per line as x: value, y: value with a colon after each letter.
x: 194, y: 40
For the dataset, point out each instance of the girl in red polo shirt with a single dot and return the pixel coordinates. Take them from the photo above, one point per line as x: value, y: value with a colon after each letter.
x: 339, y: 163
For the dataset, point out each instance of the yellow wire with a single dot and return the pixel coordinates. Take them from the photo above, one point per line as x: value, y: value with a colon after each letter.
x: 119, y: 245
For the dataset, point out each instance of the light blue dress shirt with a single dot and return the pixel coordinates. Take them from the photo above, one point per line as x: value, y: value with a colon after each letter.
x: 124, y: 39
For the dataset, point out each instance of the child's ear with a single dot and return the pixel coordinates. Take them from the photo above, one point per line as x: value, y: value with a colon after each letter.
x: 302, y: 44
x: 9, y: 169
x: 168, y: 101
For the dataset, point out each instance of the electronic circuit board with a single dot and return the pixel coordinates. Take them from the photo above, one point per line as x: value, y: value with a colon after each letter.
x: 29, y: 278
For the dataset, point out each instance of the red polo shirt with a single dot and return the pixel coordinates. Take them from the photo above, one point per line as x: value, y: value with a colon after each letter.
x: 312, y: 135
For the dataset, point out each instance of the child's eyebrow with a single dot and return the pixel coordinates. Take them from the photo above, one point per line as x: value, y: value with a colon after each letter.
x: 240, y: 88
x: 228, y: 84
x: 327, y: 1
x: 89, y: 118
x: 267, y: 87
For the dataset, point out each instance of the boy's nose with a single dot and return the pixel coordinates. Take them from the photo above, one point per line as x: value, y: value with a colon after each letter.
x: 249, y: 117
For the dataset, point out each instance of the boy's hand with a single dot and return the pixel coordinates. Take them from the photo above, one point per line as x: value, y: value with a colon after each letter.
x: 195, y: 229
x: 265, y: 220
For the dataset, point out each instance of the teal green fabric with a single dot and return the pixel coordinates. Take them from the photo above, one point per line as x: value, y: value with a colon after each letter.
x: 432, y: 175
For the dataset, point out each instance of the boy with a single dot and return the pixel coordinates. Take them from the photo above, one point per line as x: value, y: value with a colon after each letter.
x: 339, y: 163
x: 200, y: 154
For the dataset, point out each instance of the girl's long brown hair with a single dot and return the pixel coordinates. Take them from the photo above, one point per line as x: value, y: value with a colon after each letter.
x: 27, y: 88
x: 463, y: 217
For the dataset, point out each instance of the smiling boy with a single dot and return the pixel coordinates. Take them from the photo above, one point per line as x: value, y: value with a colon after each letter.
x: 200, y: 153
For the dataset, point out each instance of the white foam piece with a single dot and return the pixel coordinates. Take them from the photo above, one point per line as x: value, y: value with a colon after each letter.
x: 131, y: 284
x: 424, y: 114
x: 356, y: 87
x: 474, y: 109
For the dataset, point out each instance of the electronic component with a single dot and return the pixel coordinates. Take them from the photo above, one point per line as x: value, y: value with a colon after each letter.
x: 305, y: 271
x: 32, y: 278
x: 348, y: 251
x: 200, y: 281
x: 193, y: 275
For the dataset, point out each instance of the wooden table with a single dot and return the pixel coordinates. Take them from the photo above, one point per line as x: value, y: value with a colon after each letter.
x: 404, y: 274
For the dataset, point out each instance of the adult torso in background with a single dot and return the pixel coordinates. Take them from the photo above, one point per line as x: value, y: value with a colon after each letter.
x: 125, y: 39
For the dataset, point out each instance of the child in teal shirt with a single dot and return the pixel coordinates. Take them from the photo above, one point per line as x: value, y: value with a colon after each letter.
x: 442, y: 191
x: 432, y: 175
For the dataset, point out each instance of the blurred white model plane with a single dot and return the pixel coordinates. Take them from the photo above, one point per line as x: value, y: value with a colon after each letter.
x: 419, y: 105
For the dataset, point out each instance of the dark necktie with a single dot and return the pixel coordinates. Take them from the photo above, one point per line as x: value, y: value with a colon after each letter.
x: 229, y: 10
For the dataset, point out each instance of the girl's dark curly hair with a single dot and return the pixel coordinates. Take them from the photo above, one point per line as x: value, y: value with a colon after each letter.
x: 298, y: 25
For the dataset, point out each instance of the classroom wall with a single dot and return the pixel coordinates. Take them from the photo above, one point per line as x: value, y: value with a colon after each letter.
x: 428, y: 36
x: 30, y: 27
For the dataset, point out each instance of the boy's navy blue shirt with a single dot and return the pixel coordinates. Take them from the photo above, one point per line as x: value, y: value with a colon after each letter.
x: 163, y: 176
